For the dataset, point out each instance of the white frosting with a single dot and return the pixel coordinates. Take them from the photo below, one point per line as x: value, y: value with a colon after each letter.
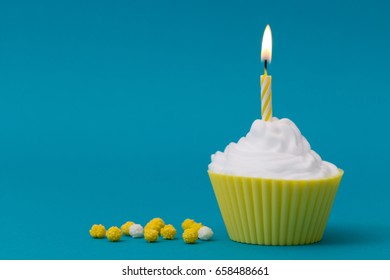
x: 274, y: 149
x: 136, y: 231
x: 205, y: 233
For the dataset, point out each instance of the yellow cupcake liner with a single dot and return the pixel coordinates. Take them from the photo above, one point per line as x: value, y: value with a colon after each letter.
x: 275, y: 212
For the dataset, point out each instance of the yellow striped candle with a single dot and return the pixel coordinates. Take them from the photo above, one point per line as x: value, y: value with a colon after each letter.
x: 266, y: 80
x: 266, y: 97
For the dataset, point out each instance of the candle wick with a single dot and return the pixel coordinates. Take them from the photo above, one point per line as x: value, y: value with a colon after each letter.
x: 265, y: 67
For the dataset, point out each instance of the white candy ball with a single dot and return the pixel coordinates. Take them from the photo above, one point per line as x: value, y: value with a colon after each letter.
x: 136, y: 231
x: 205, y: 233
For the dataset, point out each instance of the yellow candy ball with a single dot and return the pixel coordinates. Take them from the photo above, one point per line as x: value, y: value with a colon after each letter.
x: 97, y: 231
x: 168, y: 232
x: 190, y: 236
x: 152, y: 226
x: 158, y: 222
x: 114, y: 234
x: 151, y: 235
x: 196, y: 226
x: 126, y: 227
x: 187, y: 223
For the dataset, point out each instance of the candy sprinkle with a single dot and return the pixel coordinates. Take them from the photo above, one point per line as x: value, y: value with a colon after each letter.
x: 190, y: 236
x: 205, y: 233
x: 126, y: 227
x: 136, y: 231
x: 168, y: 232
x: 114, y: 234
x: 151, y: 235
x: 97, y: 231
x: 187, y: 223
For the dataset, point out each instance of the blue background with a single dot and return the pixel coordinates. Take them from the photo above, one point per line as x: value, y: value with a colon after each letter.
x: 110, y: 110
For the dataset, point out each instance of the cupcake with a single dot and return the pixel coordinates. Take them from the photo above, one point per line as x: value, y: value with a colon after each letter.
x: 272, y: 188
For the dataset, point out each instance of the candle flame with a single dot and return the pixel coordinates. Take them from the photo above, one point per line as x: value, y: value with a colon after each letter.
x: 266, y: 46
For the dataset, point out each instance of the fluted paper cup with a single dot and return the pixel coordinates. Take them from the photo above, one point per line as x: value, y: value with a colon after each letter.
x: 272, y: 211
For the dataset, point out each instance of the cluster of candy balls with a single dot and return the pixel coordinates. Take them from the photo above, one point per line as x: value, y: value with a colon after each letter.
x: 192, y: 231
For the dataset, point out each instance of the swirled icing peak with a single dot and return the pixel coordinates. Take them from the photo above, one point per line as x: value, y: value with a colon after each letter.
x: 274, y: 149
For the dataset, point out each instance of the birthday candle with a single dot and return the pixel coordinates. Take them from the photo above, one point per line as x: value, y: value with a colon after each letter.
x: 266, y: 97
x: 266, y: 80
